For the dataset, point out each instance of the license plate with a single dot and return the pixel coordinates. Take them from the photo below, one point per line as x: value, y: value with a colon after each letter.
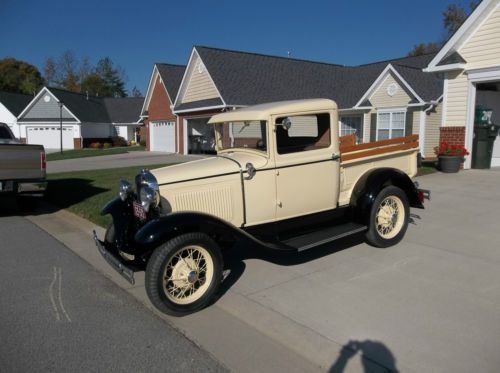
x: 139, y: 212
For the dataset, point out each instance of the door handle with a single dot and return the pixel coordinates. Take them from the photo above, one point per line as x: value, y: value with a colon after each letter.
x: 335, y: 157
x: 251, y: 171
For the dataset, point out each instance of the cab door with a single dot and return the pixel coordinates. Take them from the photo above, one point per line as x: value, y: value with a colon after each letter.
x: 307, y: 164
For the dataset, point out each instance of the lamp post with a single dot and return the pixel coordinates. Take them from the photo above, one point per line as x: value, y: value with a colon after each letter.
x: 60, y: 124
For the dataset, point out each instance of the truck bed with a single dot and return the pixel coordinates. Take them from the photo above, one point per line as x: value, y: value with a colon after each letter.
x: 20, y: 162
x: 357, y: 159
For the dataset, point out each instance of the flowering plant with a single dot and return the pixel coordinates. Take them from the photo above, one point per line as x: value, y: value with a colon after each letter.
x: 448, y: 149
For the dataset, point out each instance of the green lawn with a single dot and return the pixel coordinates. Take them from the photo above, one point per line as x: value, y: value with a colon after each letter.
x: 428, y: 167
x: 86, y: 192
x: 87, y: 152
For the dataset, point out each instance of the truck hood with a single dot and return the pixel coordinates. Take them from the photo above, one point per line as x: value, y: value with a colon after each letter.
x: 223, y: 164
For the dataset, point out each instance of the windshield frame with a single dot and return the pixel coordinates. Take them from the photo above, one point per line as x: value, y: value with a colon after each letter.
x: 218, y: 131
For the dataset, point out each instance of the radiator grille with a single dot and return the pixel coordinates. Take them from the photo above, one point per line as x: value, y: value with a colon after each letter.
x: 214, y: 201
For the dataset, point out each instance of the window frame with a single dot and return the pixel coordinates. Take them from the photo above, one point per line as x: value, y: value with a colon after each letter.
x: 360, y: 137
x: 391, y: 112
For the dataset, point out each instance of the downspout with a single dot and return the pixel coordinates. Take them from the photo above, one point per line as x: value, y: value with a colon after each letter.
x: 423, y: 124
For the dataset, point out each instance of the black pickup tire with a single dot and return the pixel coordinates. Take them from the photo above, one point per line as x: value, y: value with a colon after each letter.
x: 184, y: 274
x: 389, y: 216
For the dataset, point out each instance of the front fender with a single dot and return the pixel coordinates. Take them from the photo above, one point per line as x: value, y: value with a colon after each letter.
x: 121, y: 213
x: 160, y: 230
x: 370, y: 184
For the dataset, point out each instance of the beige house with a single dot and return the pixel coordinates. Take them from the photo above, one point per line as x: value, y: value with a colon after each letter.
x: 470, y: 65
x: 376, y: 101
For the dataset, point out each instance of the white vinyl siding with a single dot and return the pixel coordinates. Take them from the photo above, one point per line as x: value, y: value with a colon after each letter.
x: 199, y: 84
x: 380, y: 98
x: 456, y: 102
x: 350, y: 125
x: 432, y: 125
x: 391, y: 124
x: 303, y: 126
x: 483, y: 48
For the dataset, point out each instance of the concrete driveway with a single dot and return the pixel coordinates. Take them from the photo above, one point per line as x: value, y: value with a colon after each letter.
x: 137, y: 158
x: 431, y: 303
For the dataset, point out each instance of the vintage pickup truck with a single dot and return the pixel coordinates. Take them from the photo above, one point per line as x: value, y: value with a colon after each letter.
x: 22, y: 167
x: 282, y: 180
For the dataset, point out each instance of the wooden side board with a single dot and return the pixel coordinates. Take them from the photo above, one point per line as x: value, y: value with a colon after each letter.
x: 350, y: 152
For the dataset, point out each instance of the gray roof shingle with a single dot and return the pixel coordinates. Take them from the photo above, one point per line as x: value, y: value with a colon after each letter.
x: 15, y: 102
x: 100, y: 109
x: 172, y: 77
x: 245, y: 78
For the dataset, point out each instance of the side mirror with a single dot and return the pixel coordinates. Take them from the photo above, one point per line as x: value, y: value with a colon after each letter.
x: 286, y: 123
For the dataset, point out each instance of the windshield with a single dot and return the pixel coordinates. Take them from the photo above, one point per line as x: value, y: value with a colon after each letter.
x: 246, y: 135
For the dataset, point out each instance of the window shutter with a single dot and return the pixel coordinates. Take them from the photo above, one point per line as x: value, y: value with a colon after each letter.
x: 409, y: 123
x: 373, y: 127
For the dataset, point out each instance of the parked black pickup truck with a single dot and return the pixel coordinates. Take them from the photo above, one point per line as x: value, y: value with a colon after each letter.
x: 22, y: 167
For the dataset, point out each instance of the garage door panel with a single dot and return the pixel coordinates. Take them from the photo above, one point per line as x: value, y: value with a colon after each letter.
x: 50, y: 136
x: 162, y: 136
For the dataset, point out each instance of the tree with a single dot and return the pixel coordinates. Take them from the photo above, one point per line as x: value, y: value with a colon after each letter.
x: 114, y: 77
x: 453, y: 17
x: 136, y: 92
x: 50, y: 71
x: 94, y: 85
x: 423, y: 48
x: 19, y: 76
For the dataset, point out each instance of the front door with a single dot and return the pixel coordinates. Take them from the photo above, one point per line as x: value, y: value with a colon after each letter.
x: 307, y: 173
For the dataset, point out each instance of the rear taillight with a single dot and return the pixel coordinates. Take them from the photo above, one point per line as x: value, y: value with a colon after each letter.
x: 43, y: 162
x: 421, y: 196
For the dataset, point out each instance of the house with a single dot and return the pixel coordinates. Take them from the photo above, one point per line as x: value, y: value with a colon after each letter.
x: 376, y: 101
x: 161, y: 123
x: 470, y: 65
x: 11, y: 105
x: 84, y: 119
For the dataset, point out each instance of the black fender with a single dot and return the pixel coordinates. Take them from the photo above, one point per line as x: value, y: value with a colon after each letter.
x: 122, y: 216
x: 158, y: 231
x: 372, y: 182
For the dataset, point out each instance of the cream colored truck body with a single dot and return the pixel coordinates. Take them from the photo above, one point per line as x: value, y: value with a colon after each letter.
x: 285, y: 185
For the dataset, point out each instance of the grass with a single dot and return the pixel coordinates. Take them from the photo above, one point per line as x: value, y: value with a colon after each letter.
x: 86, y: 192
x: 428, y: 167
x: 87, y: 152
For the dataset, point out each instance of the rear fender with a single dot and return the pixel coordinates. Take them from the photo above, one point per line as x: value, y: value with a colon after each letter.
x: 371, y: 183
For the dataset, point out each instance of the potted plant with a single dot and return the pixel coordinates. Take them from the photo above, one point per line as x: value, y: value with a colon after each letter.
x: 450, y: 156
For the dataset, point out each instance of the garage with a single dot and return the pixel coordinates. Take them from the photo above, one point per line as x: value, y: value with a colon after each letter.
x: 49, y: 136
x: 162, y: 136
x: 488, y: 96
x: 200, y: 136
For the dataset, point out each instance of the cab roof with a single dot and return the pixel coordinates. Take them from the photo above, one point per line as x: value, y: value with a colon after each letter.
x: 263, y: 111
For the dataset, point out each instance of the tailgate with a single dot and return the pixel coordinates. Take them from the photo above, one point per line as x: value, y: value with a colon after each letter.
x: 19, y: 161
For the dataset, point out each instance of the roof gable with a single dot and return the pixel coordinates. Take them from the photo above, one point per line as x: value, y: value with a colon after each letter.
x: 197, y: 83
x: 461, y: 36
x: 170, y: 76
x: 45, y: 106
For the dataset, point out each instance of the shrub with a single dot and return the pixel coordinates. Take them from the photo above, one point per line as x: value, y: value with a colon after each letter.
x: 107, y: 145
x: 119, y: 141
x: 95, y: 145
x: 142, y: 142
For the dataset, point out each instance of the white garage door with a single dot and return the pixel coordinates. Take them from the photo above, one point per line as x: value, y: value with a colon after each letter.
x: 49, y: 136
x: 162, y: 136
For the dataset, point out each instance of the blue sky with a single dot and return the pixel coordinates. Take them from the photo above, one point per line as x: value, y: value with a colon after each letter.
x: 135, y: 34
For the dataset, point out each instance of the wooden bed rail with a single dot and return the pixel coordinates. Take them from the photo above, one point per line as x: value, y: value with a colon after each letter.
x: 349, y: 150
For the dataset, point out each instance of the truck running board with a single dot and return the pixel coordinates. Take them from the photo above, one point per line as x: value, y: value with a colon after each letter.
x: 323, y: 236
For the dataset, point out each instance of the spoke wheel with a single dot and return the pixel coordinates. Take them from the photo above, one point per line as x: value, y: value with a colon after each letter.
x: 188, y: 274
x: 184, y: 274
x: 388, y: 219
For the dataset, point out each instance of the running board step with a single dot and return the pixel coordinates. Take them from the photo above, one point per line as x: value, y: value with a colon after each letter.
x: 323, y: 236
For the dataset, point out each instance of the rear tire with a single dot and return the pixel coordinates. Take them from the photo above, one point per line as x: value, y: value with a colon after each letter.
x: 184, y: 274
x: 389, y: 216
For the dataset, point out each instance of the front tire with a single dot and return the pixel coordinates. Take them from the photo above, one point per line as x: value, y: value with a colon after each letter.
x: 389, y: 216
x: 184, y: 274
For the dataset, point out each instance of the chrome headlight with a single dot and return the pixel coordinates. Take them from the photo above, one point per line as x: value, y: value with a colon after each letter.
x: 125, y: 189
x: 148, y: 189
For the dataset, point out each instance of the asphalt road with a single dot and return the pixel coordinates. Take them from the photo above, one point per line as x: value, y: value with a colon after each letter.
x: 58, y: 314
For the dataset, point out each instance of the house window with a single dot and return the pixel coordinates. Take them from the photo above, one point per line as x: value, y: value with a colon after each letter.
x: 390, y: 124
x: 350, y: 125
